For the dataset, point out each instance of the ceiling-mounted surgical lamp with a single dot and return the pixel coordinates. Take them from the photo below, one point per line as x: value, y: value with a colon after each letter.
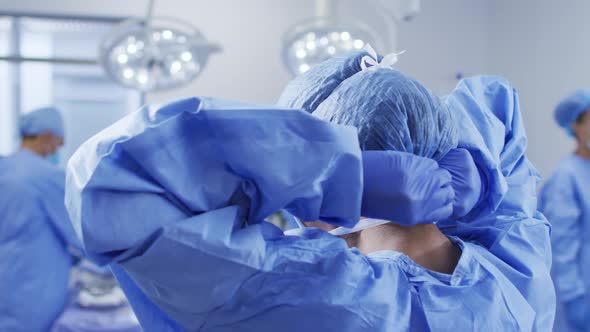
x: 309, y: 43
x: 315, y: 40
x: 155, y: 53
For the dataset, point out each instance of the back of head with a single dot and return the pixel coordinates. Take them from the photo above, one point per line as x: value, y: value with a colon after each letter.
x: 41, y: 120
x: 390, y: 110
x: 571, y: 108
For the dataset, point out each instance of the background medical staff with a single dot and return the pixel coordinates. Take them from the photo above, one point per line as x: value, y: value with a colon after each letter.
x: 565, y: 201
x: 36, y: 237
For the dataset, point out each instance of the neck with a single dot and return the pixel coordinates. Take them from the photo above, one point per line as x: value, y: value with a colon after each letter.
x: 425, y: 244
x: 583, y: 151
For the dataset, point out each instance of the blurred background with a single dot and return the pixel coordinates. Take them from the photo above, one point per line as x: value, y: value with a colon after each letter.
x: 56, y: 52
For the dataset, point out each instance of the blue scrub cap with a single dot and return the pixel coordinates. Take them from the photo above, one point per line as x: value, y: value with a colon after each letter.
x: 41, y: 120
x: 390, y: 110
x: 570, y: 108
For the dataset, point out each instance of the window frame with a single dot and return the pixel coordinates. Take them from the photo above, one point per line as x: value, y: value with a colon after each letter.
x: 15, y: 58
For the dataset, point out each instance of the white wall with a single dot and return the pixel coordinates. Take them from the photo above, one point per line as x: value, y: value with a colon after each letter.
x: 445, y: 38
x: 439, y: 43
x: 442, y: 40
x: 250, y: 32
x: 250, y: 67
x: 542, y: 46
x: 36, y: 76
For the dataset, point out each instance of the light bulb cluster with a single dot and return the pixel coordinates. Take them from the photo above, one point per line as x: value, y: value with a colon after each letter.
x: 315, y: 42
x: 155, y: 57
x: 312, y: 49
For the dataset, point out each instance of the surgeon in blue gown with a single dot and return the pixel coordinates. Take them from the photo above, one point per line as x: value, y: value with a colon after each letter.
x: 36, y: 236
x: 174, y: 199
x: 565, y: 201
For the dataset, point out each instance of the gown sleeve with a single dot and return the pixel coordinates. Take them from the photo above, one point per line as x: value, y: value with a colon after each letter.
x: 506, y: 221
x: 560, y: 204
x: 175, y: 201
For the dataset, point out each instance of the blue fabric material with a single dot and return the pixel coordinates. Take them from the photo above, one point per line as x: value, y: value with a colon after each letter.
x: 570, y: 108
x: 506, y: 222
x: 565, y: 200
x: 485, y: 112
x: 390, y: 110
x: 41, y: 120
x: 496, y: 152
x: 222, y: 131
x: 35, y: 233
x: 397, y: 113
x: 405, y: 188
x: 466, y: 181
x: 174, y: 199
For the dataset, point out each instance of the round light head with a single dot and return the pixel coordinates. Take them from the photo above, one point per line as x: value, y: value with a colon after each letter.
x: 311, y: 42
x: 163, y: 54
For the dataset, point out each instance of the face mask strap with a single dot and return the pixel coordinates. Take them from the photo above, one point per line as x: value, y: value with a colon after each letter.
x: 361, y: 225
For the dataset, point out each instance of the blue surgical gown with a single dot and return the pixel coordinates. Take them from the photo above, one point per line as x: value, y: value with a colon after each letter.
x: 173, y: 199
x: 565, y: 201
x: 35, y: 237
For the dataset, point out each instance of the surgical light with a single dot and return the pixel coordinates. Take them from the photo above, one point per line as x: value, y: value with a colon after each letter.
x: 311, y: 42
x: 155, y: 53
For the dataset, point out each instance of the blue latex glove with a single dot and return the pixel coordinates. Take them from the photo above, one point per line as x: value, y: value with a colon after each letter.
x: 577, y: 313
x: 466, y: 180
x: 405, y: 188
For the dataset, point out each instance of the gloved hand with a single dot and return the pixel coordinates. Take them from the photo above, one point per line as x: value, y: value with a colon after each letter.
x: 577, y: 313
x: 466, y: 182
x: 405, y: 188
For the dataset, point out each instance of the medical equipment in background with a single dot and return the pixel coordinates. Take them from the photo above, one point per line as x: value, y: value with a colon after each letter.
x: 155, y: 53
x: 96, y: 286
x: 315, y: 40
x: 97, y: 303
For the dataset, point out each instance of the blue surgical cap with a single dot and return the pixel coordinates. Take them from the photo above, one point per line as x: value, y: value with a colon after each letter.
x: 570, y: 108
x: 390, y: 110
x: 41, y: 120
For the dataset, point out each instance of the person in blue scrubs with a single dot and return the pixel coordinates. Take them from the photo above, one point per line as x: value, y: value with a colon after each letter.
x: 174, y: 200
x: 565, y: 201
x: 35, y: 231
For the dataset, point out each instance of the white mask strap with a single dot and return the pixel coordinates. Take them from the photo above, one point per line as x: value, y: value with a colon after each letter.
x: 371, y: 62
x: 361, y: 225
